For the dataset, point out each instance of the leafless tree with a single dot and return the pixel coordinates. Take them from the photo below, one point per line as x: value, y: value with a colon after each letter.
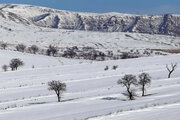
x: 48, y: 52
x: 144, y: 79
x: 5, y: 68
x: 69, y: 53
x: 20, y: 47
x: 15, y: 63
x: 124, y: 55
x: 4, y: 45
x: 33, y: 49
x: 171, y: 70
x: 127, y: 81
x: 58, y: 87
x: 52, y: 50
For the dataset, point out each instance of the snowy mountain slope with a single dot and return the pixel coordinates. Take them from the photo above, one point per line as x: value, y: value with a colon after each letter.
x: 15, y: 33
x: 91, y: 91
x: 16, y: 28
x: 109, y: 22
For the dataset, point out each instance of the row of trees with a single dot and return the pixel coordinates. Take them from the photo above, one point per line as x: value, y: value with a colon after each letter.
x: 32, y: 49
x: 130, y: 80
x: 21, y: 48
x: 72, y: 52
x: 52, y: 50
x: 127, y: 81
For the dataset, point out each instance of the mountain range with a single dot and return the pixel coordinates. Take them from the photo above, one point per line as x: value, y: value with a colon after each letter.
x: 167, y: 24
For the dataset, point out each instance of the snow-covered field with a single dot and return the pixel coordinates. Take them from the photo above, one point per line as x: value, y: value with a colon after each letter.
x: 92, y: 93
x: 165, y: 112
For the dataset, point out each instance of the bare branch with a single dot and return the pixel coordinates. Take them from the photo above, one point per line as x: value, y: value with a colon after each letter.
x: 171, y: 70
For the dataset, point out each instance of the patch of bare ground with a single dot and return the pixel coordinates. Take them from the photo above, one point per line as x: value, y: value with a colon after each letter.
x: 167, y: 50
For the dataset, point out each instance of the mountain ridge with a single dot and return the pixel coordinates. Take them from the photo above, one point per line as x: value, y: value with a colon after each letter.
x: 167, y: 24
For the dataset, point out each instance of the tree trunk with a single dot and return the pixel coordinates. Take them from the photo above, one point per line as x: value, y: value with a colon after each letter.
x: 169, y: 76
x: 131, y: 97
x: 130, y: 94
x: 143, y: 91
x: 59, y: 98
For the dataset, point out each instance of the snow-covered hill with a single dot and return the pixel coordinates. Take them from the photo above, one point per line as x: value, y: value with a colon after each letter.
x: 17, y: 25
x: 91, y: 91
x: 109, y: 22
x: 16, y: 33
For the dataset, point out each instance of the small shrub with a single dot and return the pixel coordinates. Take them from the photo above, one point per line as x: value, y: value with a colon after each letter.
x: 20, y: 47
x: 106, y: 68
x: 4, y: 45
x: 33, y: 66
x: 33, y: 49
x: 5, y: 68
x: 115, y: 67
x: 51, y: 50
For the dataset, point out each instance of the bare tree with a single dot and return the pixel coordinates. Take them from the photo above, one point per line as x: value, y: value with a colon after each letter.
x: 144, y: 79
x: 124, y: 55
x: 48, y: 52
x: 20, y: 47
x: 69, y: 53
x: 5, y: 68
x: 52, y: 50
x: 4, y: 45
x: 15, y: 63
x: 171, y: 70
x: 127, y: 81
x: 33, y: 49
x: 58, y: 87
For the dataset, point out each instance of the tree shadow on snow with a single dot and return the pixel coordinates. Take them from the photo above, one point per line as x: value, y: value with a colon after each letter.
x: 127, y: 95
x: 149, y: 94
x: 113, y: 98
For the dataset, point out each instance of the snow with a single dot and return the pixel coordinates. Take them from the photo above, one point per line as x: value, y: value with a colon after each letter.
x: 92, y: 93
x: 43, y: 37
x: 24, y: 31
x: 165, y: 112
x: 24, y: 10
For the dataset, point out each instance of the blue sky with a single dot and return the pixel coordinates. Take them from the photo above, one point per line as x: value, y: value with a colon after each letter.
x: 101, y: 6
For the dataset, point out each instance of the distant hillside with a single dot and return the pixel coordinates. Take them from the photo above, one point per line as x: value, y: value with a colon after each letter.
x: 167, y: 24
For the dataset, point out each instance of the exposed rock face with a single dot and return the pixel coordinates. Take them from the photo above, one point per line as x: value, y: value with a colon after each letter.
x: 167, y: 24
